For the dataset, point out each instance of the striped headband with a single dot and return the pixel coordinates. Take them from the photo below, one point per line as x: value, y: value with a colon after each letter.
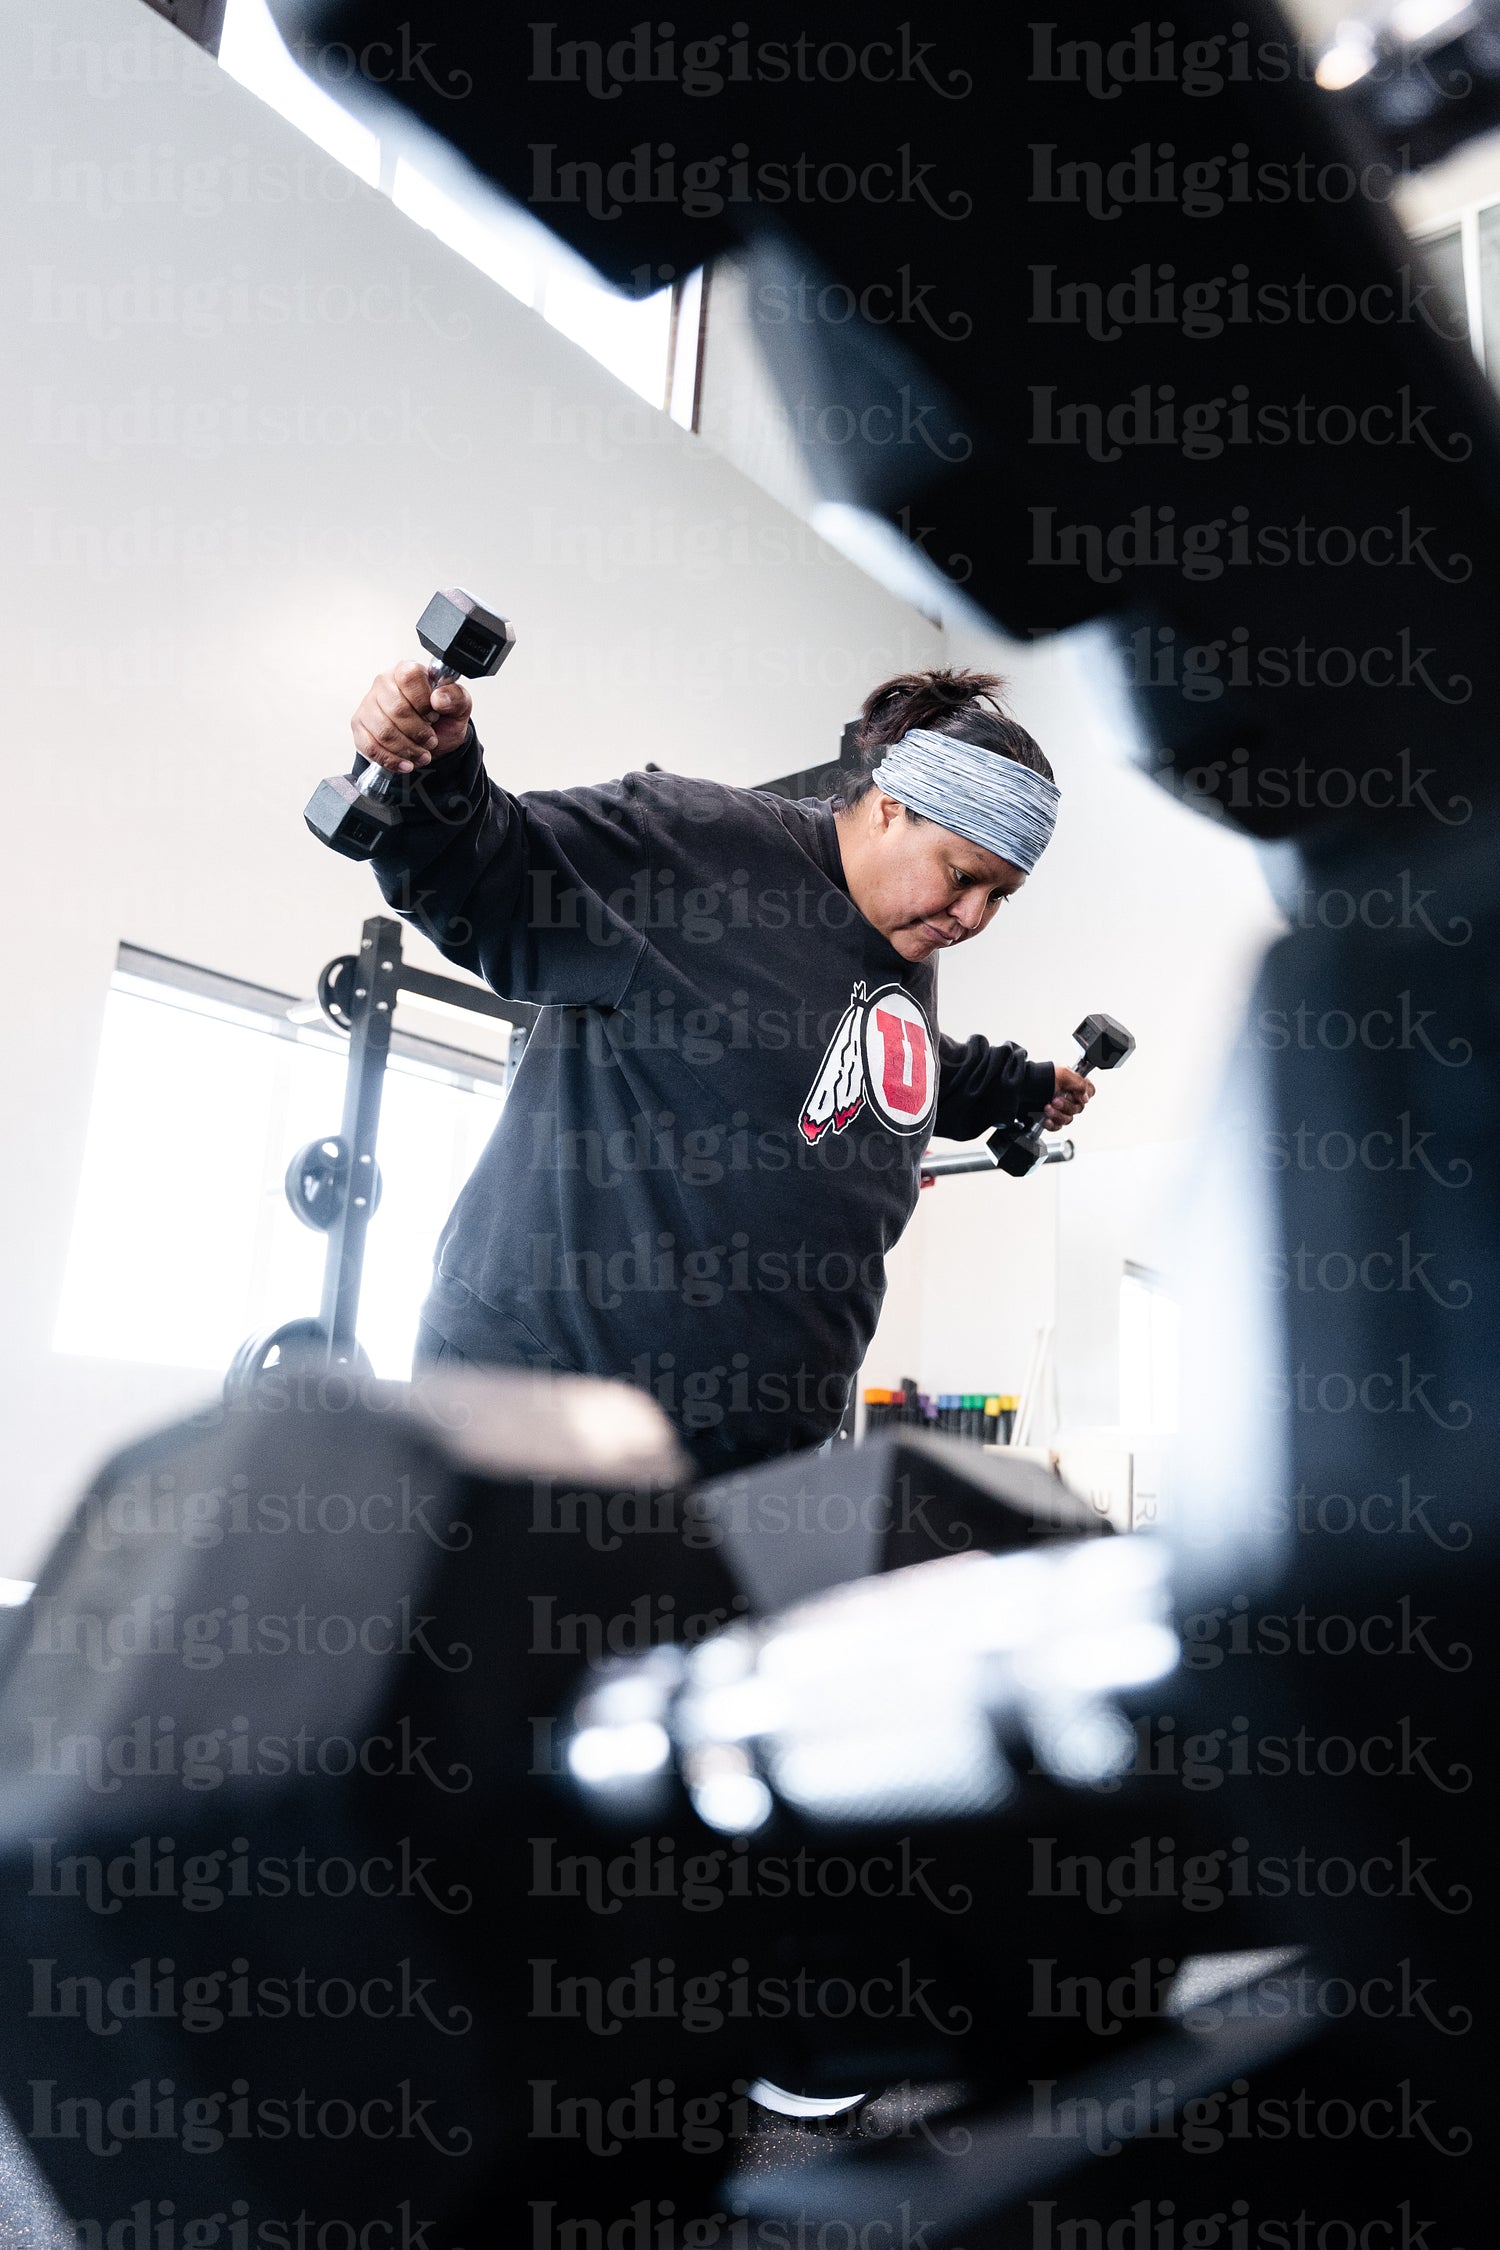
x: 978, y: 794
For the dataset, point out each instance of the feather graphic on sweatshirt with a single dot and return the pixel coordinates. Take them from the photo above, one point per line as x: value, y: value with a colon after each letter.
x: 838, y: 1091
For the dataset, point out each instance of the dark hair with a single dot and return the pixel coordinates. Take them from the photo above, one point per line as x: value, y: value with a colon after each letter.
x: 965, y: 705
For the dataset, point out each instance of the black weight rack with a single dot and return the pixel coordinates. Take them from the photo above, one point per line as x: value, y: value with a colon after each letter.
x: 357, y: 993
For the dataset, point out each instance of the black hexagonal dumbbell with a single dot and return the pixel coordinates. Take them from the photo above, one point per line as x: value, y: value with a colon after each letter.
x: 1106, y: 1044
x: 466, y: 641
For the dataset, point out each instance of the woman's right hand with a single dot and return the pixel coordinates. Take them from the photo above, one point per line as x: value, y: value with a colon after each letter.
x: 404, y: 722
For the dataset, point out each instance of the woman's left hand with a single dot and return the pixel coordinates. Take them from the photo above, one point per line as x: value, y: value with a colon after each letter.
x: 1069, y: 1096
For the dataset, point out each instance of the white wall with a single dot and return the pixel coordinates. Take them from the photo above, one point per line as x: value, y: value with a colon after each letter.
x: 252, y: 417
x: 1139, y: 907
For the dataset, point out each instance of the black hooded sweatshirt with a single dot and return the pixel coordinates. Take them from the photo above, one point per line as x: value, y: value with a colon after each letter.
x: 715, y: 1133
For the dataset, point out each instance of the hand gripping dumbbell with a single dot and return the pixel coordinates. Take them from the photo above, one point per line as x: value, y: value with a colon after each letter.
x: 1106, y: 1044
x: 466, y: 642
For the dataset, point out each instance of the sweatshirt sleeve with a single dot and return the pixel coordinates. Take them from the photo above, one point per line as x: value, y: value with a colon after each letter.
x: 980, y: 1086
x: 533, y: 892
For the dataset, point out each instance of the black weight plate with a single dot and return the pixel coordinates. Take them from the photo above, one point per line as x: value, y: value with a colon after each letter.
x: 317, y: 1181
x: 290, y: 1339
x: 275, y: 1348
x: 335, y: 984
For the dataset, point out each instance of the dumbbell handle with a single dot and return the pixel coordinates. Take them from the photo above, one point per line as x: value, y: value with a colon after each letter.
x: 1114, y: 1043
x: 1084, y: 1070
x: 1017, y: 1148
x: 1030, y: 1116
x: 377, y: 781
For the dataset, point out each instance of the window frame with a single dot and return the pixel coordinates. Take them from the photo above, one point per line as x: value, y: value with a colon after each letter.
x: 1463, y: 220
x: 191, y: 1002
x: 287, y: 1017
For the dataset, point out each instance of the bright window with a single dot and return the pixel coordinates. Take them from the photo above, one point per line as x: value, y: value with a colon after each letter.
x: 183, y: 1243
x: 251, y: 50
x: 631, y: 336
x: 1462, y: 256
x: 493, y: 249
x: 636, y: 338
x: 1149, y: 1344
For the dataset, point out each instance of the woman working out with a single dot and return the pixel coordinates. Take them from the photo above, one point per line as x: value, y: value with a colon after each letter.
x: 715, y: 1134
